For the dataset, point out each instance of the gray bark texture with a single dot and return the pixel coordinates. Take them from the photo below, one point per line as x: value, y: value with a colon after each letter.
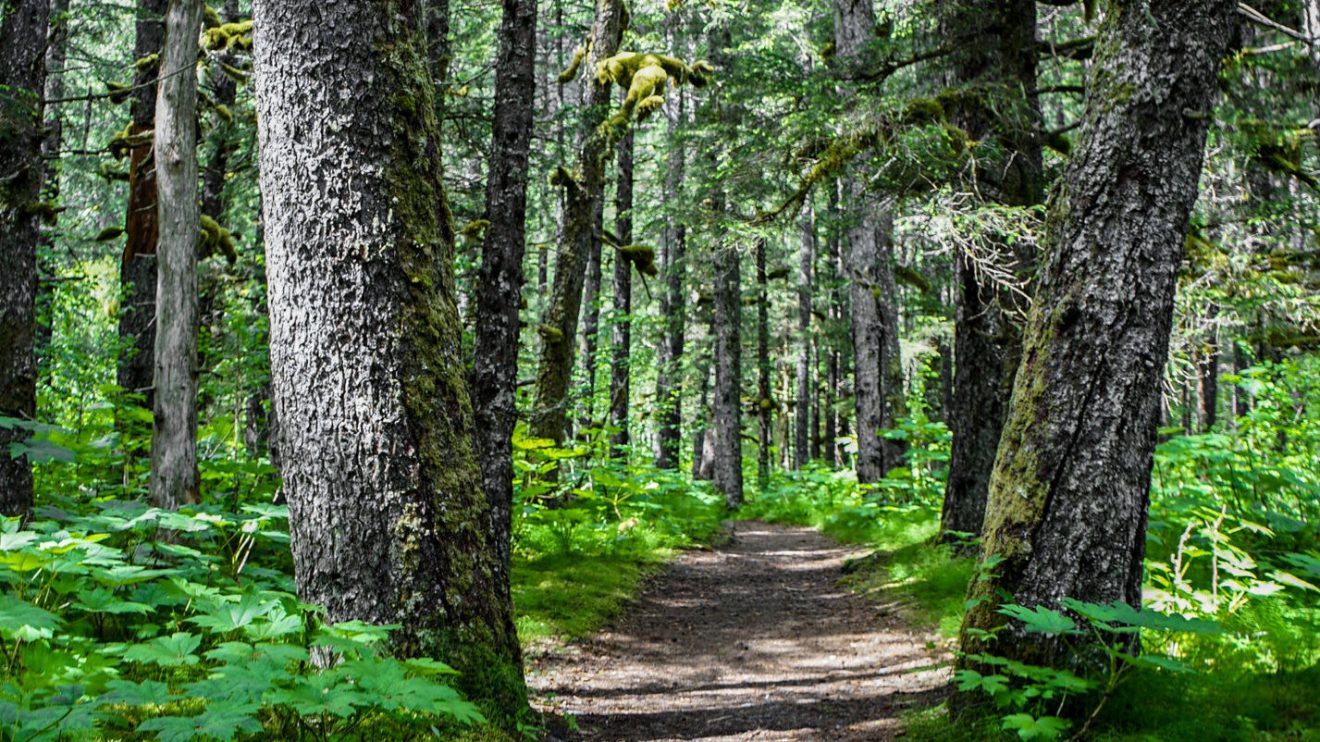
x: 673, y: 304
x: 499, y: 290
x: 22, y: 82
x: 584, y: 193
x: 57, y: 52
x: 174, y: 476
x: 764, y: 397
x: 994, y: 66
x: 1069, y: 493
x: 621, y: 369
x: 878, y: 369
x: 137, y: 271
x: 589, y: 343
x: 388, y: 519
x: 805, y: 388
x: 727, y: 408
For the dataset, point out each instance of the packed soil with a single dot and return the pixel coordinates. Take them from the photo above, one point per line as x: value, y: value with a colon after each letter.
x: 755, y: 640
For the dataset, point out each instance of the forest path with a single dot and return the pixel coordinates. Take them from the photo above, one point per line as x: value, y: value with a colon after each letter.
x: 756, y: 640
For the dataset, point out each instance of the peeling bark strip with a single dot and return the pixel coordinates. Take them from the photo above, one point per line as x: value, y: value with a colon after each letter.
x: 174, y: 476
x: 22, y: 81
x: 499, y: 293
x: 994, y: 69
x: 584, y: 193
x: 388, y: 519
x: 1069, y: 494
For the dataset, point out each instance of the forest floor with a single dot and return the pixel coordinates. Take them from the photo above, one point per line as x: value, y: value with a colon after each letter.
x: 754, y: 640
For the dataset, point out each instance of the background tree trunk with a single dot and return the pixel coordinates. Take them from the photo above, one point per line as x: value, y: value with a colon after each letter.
x: 996, y: 51
x: 137, y: 272
x: 23, y: 28
x: 591, y: 297
x: 805, y: 388
x: 57, y: 52
x: 174, y: 475
x: 1069, y: 494
x: 620, y: 371
x: 584, y: 193
x: 728, y: 374
x: 388, y: 519
x: 764, y: 398
x: 499, y: 290
x: 673, y: 302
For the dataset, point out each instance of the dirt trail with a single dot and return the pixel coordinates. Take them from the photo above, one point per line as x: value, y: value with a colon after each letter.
x: 754, y: 641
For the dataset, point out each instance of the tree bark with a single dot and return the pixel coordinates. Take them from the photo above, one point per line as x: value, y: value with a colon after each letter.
x: 878, y: 369
x: 1069, y: 493
x: 137, y: 272
x: 728, y: 374
x: 23, y: 29
x: 805, y: 388
x: 584, y: 193
x: 673, y: 303
x: 764, y: 398
x: 590, y: 341
x: 620, y: 369
x: 174, y: 476
x: 499, y: 290
x: 388, y: 519
x: 57, y: 52
x: 998, y: 62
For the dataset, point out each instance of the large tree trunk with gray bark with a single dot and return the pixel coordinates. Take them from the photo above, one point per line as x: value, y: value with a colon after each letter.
x: 995, y: 61
x: 584, y: 190
x: 620, y: 368
x: 388, y: 519
x: 22, y: 83
x: 673, y: 304
x: 499, y: 290
x: 1066, y: 515
x: 802, y: 435
x: 174, y: 475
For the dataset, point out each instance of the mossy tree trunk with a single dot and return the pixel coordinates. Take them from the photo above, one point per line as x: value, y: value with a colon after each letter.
x: 499, y: 289
x: 802, y: 437
x: 23, y: 30
x: 174, y: 475
x: 584, y: 194
x: 994, y: 72
x: 620, y: 368
x: 673, y: 301
x: 878, y: 370
x: 1066, y: 515
x: 388, y: 519
x: 137, y: 271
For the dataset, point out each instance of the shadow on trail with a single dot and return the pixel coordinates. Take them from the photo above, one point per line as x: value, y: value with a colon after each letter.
x: 754, y: 641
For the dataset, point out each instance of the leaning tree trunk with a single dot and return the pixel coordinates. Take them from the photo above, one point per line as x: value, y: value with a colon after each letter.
x: 673, y: 304
x: 174, y: 477
x: 620, y: 369
x: 996, y: 51
x: 585, y: 188
x: 137, y: 270
x: 878, y: 390
x: 388, y: 519
x: 22, y: 82
x: 499, y: 290
x: 1068, y: 499
x: 805, y: 388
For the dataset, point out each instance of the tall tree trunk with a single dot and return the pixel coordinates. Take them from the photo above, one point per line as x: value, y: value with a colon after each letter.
x: 590, y: 340
x: 1208, y: 376
x: 673, y: 302
x: 728, y: 374
x: 764, y: 398
x: 836, y: 426
x: 996, y: 52
x: 817, y: 398
x: 703, y: 452
x: 174, y: 476
x: 137, y: 272
x: 620, y: 369
x: 1068, y: 498
x: 23, y: 29
x: 499, y: 290
x: 585, y: 189
x: 878, y: 390
x: 388, y: 519
x: 57, y: 52
x: 806, y: 259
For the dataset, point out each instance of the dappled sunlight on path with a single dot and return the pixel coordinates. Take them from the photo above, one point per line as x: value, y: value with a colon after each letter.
x: 756, y: 640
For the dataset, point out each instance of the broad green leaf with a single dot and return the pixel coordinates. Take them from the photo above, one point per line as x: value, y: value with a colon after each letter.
x: 167, y: 651
x: 26, y: 622
x: 221, y: 723
x: 1029, y: 727
x: 1040, y: 620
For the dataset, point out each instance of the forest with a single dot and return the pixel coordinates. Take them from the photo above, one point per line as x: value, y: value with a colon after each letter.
x: 659, y: 369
